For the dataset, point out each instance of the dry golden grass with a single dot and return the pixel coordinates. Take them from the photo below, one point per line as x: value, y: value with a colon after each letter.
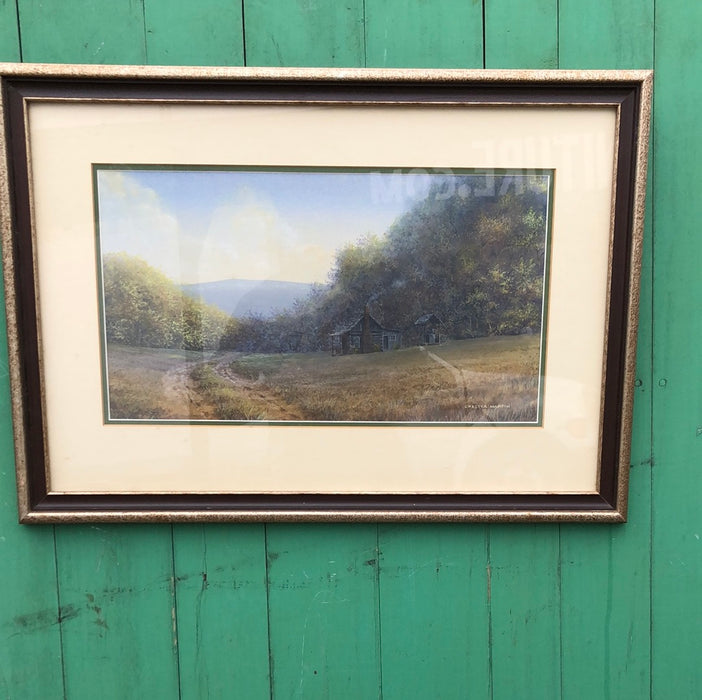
x: 146, y: 383
x: 493, y: 380
x: 482, y: 380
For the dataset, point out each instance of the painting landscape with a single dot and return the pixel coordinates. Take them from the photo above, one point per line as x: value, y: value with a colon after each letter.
x: 322, y: 295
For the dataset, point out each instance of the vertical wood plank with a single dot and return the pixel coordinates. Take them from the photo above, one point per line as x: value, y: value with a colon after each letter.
x: 677, y: 402
x: 606, y: 571
x: 9, y: 31
x: 434, y: 613
x: 30, y: 642
x: 525, y: 603
x: 30, y: 650
x: 524, y: 560
x: 322, y: 583
x: 116, y: 581
x: 606, y: 601
x: 433, y: 580
x: 222, y: 611
x: 323, y: 617
x: 521, y: 34
x: 606, y: 34
x: 82, y: 31
x: 120, y: 638
x: 220, y: 570
x: 410, y: 34
x: 184, y: 33
x: 304, y: 33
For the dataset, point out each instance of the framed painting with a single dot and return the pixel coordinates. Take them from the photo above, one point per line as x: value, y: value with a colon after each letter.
x: 302, y: 294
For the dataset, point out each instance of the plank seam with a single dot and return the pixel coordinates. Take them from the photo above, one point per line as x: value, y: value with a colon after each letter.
x: 243, y: 32
x: 19, y: 31
x: 558, y: 34
x: 488, y: 589
x: 144, y: 38
x: 652, y: 481
x: 559, y: 572
x: 484, y: 34
x: 365, y: 45
x: 268, y: 611
x: 174, y: 594
x: 59, y: 616
x: 378, y: 607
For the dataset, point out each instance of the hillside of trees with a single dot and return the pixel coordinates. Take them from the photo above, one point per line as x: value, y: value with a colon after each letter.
x: 474, y: 260
x: 143, y: 308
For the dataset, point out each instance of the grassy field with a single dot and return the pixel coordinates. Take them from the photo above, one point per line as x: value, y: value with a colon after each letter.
x: 481, y: 380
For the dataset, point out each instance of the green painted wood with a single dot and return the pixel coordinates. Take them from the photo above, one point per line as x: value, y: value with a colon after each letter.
x: 605, y: 632
x: 9, y: 31
x: 222, y: 611
x: 523, y: 560
x: 677, y: 402
x: 120, y: 639
x: 410, y: 34
x: 30, y: 643
x: 323, y: 611
x: 220, y: 570
x: 82, y: 31
x: 606, y: 604
x: 322, y: 580
x: 434, y: 611
x: 605, y: 34
x: 304, y: 32
x: 203, y: 33
x: 30, y: 650
x: 525, y: 603
x: 433, y: 579
x: 521, y: 34
x: 585, y: 635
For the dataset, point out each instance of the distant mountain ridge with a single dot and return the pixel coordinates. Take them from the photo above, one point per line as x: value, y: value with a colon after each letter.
x: 240, y: 297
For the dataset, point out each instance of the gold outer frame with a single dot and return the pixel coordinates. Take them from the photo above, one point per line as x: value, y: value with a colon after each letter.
x: 642, y: 78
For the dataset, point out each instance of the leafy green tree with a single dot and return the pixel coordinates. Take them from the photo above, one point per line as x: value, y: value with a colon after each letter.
x: 144, y: 308
x: 472, y: 252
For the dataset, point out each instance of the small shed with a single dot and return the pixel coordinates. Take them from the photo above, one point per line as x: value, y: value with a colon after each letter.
x: 363, y: 336
x: 427, y: 330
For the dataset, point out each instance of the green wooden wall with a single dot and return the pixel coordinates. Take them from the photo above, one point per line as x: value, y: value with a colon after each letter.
x: 397, y: 611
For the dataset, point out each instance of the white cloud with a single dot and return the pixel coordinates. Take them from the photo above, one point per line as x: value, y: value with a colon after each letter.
x: 132, y: 219
x: 245, y: 237
x: 251, y: 240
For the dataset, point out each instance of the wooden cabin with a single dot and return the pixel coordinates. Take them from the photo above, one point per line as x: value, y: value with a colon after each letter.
x: 426, y: 330
x: 363, y: 336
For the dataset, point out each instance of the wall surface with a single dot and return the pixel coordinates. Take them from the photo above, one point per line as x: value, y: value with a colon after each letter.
x: 396, y: 610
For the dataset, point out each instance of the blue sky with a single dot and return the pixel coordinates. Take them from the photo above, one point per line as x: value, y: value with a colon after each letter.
x: 203, y: 226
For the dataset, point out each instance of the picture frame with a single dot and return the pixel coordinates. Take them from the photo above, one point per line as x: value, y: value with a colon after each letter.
x: 480, y: 230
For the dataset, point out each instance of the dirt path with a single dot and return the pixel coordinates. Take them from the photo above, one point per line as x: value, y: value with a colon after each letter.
x: 257, y: 392
x: 181, y: 398
x: 460, y: 376
x: 183, y: 401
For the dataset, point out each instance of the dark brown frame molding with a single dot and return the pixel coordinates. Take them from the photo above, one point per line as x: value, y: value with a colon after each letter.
x: 629, y: 91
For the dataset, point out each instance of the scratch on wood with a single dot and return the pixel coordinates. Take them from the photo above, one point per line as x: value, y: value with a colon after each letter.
x: 91, y: 605
x: 489, y: 582
x: 174, y: 619
x: 67, y: 612
x: 40, y: 620
x: 174, y: 625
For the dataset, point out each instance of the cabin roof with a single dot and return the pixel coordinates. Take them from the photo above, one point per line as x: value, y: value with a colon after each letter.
x: 425, y: 318
x: 357, y: 326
